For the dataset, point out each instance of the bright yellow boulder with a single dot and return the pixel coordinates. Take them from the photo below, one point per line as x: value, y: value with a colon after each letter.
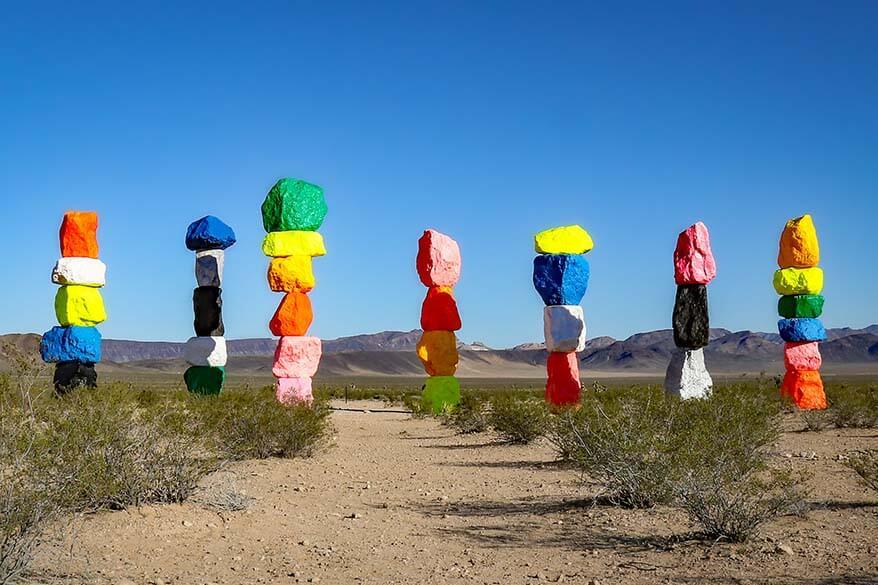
x: 568, y: 239
x: 438, y: 352
x: 799, y: 247
x: 293, y: 243
x: 79, y: 305
x: 798, y: 281
x: 292, y: 273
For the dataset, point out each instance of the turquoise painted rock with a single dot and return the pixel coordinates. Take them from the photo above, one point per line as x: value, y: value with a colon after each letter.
x: 293, y: 204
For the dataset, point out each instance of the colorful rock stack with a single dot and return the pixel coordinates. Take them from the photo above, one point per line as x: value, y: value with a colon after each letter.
x: 206, y: 353
x: 561, y: 278
x: 75, y: 346
x: 694, y: 267
x: 800, y: 282
x: 292, y: 213
x: 438, y: 266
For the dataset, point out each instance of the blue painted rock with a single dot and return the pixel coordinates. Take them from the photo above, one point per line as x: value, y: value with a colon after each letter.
x: 792, y: 330
x: 209, y: 233
x: 63, y: 344
x: 561, y: 279
x: 74, y: 374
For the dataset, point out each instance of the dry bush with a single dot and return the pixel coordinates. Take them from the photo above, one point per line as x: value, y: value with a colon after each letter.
x: 470, y: 416
x: 866, y: 466
x: 519, y: 420
x: 853, y: 406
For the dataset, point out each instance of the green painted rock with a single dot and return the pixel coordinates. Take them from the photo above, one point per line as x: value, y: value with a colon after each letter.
x: 441, y: 393
x: 800, y: 306
x: 205, y: 379
x: 293, y: 205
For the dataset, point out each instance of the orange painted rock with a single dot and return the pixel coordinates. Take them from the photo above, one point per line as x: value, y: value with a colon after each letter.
x: 799, y: 247
x: 293, y: 316
x: 79, y: 234
x: 291, y: 273
x: 438, y: 352
x: 805, y: 389
x: 563, y: 386
x: 439, y: 311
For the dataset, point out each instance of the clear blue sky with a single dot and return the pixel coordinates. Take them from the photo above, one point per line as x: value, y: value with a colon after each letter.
x: 486, y: 120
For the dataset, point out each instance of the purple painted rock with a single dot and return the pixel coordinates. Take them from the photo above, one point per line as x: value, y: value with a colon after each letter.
x: 693, y: 258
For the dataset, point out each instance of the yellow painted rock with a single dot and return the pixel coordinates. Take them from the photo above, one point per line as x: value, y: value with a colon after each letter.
x: 292, y: 273
x: 568, y: 239
x: 798, y: 244
x: 79, y: 305
x: 798, y: 281
x: 438, y: 352
x: 293, y: 243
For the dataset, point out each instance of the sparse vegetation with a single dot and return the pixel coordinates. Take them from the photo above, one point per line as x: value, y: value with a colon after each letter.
x: 853, y: 406
x: 866, y: 466
x: 519, y: 420
x: 470, y: 416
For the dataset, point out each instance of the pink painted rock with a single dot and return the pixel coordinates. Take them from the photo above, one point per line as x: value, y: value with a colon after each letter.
x: 297, y: 357
x: 438, y: 259
x: 292, y: 391
x: 802, y: 356
x: 693, y: 259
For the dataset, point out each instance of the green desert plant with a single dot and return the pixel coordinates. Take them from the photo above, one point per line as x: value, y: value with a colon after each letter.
x: 519, y: 420
x: 852, y: 406
x: 866, y: 466
x: 470, y: 416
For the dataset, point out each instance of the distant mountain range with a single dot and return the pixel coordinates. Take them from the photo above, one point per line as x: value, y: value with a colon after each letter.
x: 392, y: 353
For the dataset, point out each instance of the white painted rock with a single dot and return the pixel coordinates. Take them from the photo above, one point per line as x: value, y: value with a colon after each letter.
x: 564, y: 326
x: 205, y: 351
x: 687, y: 377
x: 83, y: 271
x: 209, y: 267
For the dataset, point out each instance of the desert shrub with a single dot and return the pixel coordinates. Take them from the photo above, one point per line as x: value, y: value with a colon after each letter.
x: 253, y: 425
x: 519, y: 420
x: 416, y: 406
x: 815, y: 420
x: 866, y: 466
x: 470, y: 416
x: 852, y: 406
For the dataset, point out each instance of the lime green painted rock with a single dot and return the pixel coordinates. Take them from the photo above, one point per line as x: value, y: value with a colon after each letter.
x: 293, y: 204
x: 205, y: 379
x: 800, y: 306
x: 441, y: 392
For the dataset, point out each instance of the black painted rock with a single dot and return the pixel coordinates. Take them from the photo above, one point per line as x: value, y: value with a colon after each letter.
x: 74, y: 374
x: 691, y: 321
x: 207, y: 302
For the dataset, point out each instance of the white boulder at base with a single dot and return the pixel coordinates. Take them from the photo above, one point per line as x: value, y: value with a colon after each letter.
x: 82, y: 271
x: 206, y: 351
x: 687, y: 377
x: 564, y: 328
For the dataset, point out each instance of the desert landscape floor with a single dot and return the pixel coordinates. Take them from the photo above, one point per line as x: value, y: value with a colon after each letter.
x: 400, y: 500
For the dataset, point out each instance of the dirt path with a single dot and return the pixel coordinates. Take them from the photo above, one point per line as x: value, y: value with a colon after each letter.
x: 397, y: 500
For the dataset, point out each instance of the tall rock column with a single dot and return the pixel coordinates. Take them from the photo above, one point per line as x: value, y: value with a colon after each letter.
x: 438, y: 264
x: 75, y: 345
x: 694, y: 267
x: 561, y: 278
x: 292, y: 212
x: 800, y: 282
x: 206, y: 353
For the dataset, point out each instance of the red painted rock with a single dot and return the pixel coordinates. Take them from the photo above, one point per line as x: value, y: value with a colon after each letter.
x: 439, y: 311
x: 297, y: 357
x: 292, y: 391
x: 563, y: 385
x: 802, y: 356
x: 293, y: 316
x: 438, y: 259
x: 693, y: 258
x: 79, y: 234
x: 805, y: 389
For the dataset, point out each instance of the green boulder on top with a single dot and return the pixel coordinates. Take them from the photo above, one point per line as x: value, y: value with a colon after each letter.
x: 205, y: 380
x: 800, y: 306
x: 293, y: 204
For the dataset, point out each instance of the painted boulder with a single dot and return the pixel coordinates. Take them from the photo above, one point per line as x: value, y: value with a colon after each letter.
x: 63, y: 344
x: 205, y: 351
x: 292, y: 391
x: 438, y: 262
x: 439, y: 310
x: 205, y: 380
x: 293, y: 243
x: 297, y: 357
x: 693, y: 258
x: 687, y: 376
x: 293, y: 204
x: 291, y: 273
x: 209, y: 267
x: 560, y: 279
x: 799, y: 247
x: 805, y: 389
x: 690, y: 319
x: 207, y: 303
x: 77, y: 305
x: 796, y: 306
x: 82, y: 271
x: 74, y: 374
x: 79, y: 234
x: 802, y: 356
x: 293, y: 316
x: 798, y: 330
x: 438, y: 352
x: 563, y: 386
x: 798, y: 281
x: 568, y: 239
x: 209, y: 233
x: 441, y: 393
x: 564, y: 328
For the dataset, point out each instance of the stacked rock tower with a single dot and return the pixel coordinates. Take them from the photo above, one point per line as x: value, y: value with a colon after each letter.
x: 438, y: 265
x: 694, y: 267
x: 75, y: 345
x: 206, y: 353
x: 800, y: 281
x: 292, y: 212
x: 561, y: 278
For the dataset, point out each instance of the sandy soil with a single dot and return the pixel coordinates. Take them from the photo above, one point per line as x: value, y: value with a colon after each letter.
x: 397, y: 500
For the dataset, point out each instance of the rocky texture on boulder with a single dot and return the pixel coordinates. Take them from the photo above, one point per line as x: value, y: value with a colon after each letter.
x: 297, y: 357
x: 798, y: 281
x: 799, y: 247
x: 209, y: 267
x: 560, y: 279
x: 209, y: 233
x: 293, y: 204
x: 564, y: 328
x: 441, y: 393
x: 207, y: 303
x: 687, y: 376
x: 439, y: 310
x: 568, y: 239
x: 802, y: 356
x: 438, y: 260
x: 205, y: 380
x: 74, y: 374
x: 293, y: 243
x: 563, y: 386
x: 438, y: 352
x: 291, y: 273
x: 693, y: 258
x: 293, y: 316
x: 79, y: 234
x: 63, y: 344
x: 798, y: 306
x: 805, y: 389
x: 292, y: 391
x: 691, y: 321
x: 205, y: 351
x: 798, y: 330
x: 79, y: 305
x: 82, y: 271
